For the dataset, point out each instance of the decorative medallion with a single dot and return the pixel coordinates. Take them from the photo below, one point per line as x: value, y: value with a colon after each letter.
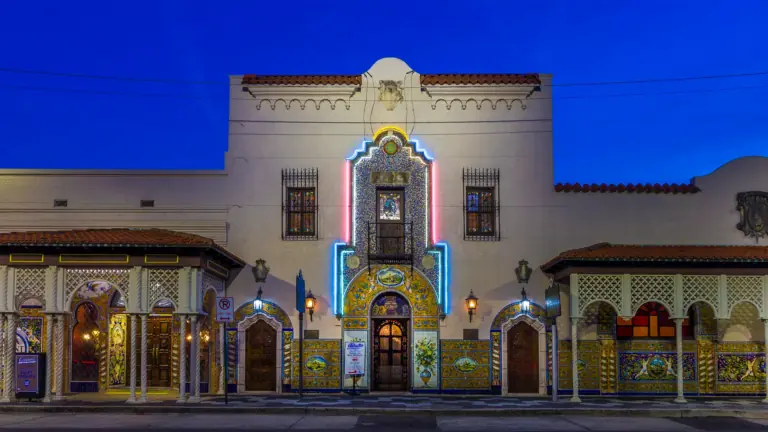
x: 317, y: 363
x: 657, y: 367
x: 390, y: 277
x: 390, y: 93
x: 753, y: 210
x: 465, y: 364
x: 428, y: 262
x: 390, y: 144
x: 353, y: 262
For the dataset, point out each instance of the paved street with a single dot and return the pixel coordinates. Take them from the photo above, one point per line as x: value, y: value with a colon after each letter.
x: 372, y: 423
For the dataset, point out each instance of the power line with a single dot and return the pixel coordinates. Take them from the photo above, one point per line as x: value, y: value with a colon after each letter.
x: 186, y: 82
x: 418, y: 134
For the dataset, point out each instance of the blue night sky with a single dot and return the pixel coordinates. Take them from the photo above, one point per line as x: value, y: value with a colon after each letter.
x: 652, y: 132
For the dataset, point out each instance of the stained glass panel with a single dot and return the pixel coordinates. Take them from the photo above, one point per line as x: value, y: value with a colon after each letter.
x: 300, y: 217
x: 390, y: 206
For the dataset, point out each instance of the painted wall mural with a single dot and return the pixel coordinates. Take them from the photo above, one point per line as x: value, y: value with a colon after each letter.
x: 425, y: 361
x: 322, y: 364
x: 465, y: 365
x: 118, y: 328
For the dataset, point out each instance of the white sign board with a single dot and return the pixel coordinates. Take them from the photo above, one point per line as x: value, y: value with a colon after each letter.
x: 225, y: 309
x: 354, y: 358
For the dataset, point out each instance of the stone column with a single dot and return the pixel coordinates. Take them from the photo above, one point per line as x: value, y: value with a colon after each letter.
x: 59, y: 365
x: 48, y: 356
x: 679, y: 342
x: 2, y: 352
x: 9, y: 378
x: 132, y: 397
x: 222, y: 358
x: 194, y: 364
x: 182, y: 359
x: 575, y: 359
x: 143, y: 397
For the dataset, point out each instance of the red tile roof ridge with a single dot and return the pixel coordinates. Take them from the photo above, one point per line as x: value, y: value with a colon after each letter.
x: 655, y: 188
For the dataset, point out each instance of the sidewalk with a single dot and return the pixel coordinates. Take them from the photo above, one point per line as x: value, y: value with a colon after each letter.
x: 415, y: 405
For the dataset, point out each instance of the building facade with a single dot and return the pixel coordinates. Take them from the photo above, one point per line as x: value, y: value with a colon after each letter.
x: 422, y: 213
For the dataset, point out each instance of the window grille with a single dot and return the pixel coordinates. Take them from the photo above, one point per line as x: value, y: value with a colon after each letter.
x: 481, y: 204
x: 299, y: 209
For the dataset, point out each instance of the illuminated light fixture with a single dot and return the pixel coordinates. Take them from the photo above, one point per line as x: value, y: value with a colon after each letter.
x: 471, y: 301
x: 433, y: 183
x: 205, y: 336
x: 86, y: 337
x: 258, y: 303
x: 309, y: 302
x: 523, y: 272
x: 525, y: 304
x: 189, y: 337
x: 347, y: 207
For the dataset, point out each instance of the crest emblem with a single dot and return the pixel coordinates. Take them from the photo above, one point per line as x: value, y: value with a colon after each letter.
x: 390, y: 93
x: 260, y: 271
x: 753, y: 210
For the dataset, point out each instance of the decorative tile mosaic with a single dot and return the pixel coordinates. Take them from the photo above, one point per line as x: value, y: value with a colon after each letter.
x: 322, y: 364
x: 426, y: 362
x: 651, y: 366
x: 287, y: 345
x: 426, y: 323
x: 269, y: 308
x: 514, y: 309
x: 415, y: 288
x: 588, y: 363
x: 355, y: 323
x: 417, y: 200
x: 496, y: 357
x: 740, y: 368
x: 465, y: 364
x: 29, y: 335
x: 707, y: 366
x: 118, y: 328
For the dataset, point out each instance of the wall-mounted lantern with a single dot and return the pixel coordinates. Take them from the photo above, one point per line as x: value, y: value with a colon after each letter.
x: 309, y: 302
x: 525, y: 304
x: 258, y: 303
x: 260, y: 271
x: 471, y: 301
x: 523, y: 272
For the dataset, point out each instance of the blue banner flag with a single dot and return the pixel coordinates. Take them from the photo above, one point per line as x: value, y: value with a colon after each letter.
x: 300, y: 293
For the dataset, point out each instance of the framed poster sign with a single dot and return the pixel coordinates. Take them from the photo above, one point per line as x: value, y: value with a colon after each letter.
x: 354, y: 358
x: 30, y: 376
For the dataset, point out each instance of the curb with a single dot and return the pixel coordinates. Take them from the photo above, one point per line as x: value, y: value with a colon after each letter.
x: 484, y: 412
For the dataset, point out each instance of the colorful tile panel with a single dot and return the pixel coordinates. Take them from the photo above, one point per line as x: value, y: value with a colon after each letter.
x: 322, y: 364
x: 465, y: 364
x: 740, y: 368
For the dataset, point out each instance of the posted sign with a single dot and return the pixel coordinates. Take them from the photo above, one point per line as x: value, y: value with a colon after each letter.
x: 354, y: 361
x: 225, y: 309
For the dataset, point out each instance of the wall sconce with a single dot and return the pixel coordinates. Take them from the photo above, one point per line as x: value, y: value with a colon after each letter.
x: 258, y: 303
x: 260, y: 271
x: 309, y: 302
x: 471, y: 301
x: 523, y: 272
x: 525, y: 304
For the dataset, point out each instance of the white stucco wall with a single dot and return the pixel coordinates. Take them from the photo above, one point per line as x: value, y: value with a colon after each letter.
x: 241, y: 208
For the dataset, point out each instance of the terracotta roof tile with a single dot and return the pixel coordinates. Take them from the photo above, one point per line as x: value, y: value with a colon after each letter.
x: 479, y: 79
x: 607, y: 252
x: 647, y: 188
x: 113, y: 237
x: 303, y: 80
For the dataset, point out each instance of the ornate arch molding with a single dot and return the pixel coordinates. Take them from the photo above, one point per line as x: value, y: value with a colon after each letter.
x: 242, y: 327
x: 513, y: 310
x: 416, y: 288
x: 268, y: 308
x: 540, y: 328
x: 75, y: 279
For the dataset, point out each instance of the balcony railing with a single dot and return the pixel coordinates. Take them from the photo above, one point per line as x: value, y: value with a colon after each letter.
x: 390, y: 243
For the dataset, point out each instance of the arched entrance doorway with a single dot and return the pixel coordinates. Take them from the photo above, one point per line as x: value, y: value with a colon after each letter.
x: 390, y: 325
x: 522, y: 359
x: 260, y: 357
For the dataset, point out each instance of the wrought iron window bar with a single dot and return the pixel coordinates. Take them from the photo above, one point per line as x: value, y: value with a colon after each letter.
x: 479, y: 181
x: 302, y: 181
x: 390, y: 248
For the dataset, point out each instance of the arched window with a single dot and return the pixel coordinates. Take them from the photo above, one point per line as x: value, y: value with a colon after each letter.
x: 85, y: 336
x: 651, y: 321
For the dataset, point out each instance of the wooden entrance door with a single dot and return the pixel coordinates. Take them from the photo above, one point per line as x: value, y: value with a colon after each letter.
x: 159, y: 331
x: 523, y: 359
x: 390, y: 355
x: 260, y: 357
